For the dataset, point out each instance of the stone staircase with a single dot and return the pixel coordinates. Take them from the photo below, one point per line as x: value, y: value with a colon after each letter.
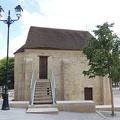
x: 43, y: 94
x: 42, y: 102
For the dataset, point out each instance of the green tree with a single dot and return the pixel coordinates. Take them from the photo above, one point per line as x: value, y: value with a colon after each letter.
x: 116, y: 73
x: 10, y: 72
x: 102, y: 51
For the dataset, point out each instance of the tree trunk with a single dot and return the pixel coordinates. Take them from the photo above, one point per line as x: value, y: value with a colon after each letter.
x: 112, y: 101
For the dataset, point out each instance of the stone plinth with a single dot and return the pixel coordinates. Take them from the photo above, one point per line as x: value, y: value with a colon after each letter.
x: 76, y: 106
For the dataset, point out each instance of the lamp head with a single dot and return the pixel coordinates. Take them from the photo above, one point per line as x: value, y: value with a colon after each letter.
x: 18, y: 11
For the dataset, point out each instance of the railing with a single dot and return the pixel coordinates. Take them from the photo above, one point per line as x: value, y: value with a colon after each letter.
x: 53, y: 86
x: 32, y: 87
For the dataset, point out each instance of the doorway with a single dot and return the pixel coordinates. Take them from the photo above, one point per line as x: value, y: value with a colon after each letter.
x: 88, y: 93
x: 43, y: 67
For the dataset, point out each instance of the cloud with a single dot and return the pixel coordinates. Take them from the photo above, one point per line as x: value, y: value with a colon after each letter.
x: 35, y: 19
x: 0, y: 36
x: 15, y: 43
x: 77, y: 14
x: 72, y: 14
x: 57, y: 13
x: 66, y: 14
x: 19, y: 41
x: 3, y: 53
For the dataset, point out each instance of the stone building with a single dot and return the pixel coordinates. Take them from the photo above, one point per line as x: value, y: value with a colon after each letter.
x: 61, y: 51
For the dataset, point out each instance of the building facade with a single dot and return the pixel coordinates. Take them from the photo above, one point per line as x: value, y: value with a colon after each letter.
x: 58, y: 50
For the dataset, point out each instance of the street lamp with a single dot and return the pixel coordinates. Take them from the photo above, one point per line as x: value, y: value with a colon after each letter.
x: 8, y: 21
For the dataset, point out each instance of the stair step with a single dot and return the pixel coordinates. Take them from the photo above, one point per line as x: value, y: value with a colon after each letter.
x: 42, y: 110
x: 42, y: 88
x: 42, y: 92
x: 43, y: 98
x: 42, y: 95
x: 43, y: 102
x: 43, y: 80
x: 43, y: 106
x: 42, y: 84
x: 47, y: 96
x: 47, y: 88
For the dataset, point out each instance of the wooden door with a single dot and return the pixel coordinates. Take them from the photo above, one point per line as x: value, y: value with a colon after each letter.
x: 43, y: 67
x: 88, y: 93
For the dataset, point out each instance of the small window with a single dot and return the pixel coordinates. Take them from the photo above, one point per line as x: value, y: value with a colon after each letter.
x: 88, y: 93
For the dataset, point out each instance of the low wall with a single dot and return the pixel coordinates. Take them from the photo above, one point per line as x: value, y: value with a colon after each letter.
x: 73, y: 106
x: 76, y: 106
x: 18, y: 104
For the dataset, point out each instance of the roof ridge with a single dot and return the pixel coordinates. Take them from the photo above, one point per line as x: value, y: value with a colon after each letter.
x: 58, y: 28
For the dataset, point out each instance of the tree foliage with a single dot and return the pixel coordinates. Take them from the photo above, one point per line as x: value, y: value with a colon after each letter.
x: 10, y: 72
x: 103, y: 52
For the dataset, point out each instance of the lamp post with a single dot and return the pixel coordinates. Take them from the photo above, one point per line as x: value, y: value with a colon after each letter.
x: 8, y: 21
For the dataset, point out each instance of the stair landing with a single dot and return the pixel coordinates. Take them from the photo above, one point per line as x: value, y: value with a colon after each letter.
x: 42, y: 109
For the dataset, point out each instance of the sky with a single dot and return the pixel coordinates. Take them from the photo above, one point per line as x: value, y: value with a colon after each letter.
x: 63, y: 14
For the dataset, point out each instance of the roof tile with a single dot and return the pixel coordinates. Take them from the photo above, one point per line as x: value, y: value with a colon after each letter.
x: 52, y: 38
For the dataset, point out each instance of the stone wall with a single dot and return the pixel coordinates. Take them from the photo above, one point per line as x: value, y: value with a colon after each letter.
x: 67, y: 67
x: 19, y: 77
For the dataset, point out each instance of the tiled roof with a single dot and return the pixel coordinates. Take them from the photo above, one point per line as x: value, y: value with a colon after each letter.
x: 51, y: 38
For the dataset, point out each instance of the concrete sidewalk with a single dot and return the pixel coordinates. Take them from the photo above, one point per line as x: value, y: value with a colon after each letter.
x: 20, y: 114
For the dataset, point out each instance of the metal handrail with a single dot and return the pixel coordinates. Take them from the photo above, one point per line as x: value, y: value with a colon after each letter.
x: 53, y: 87
x: 32, y: 86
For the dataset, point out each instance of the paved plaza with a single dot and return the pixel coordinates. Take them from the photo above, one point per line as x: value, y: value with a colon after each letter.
x: 20, y: 114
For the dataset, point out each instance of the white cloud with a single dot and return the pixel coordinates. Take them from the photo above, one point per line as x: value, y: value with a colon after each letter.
x: 73, y: 14
x: 15, y: 44
x: 36, y: 19
x: 78, y: 14
x: 18, y: 42
x: 3, y: 53
x: 0, y: 36
x: 68, y: 14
